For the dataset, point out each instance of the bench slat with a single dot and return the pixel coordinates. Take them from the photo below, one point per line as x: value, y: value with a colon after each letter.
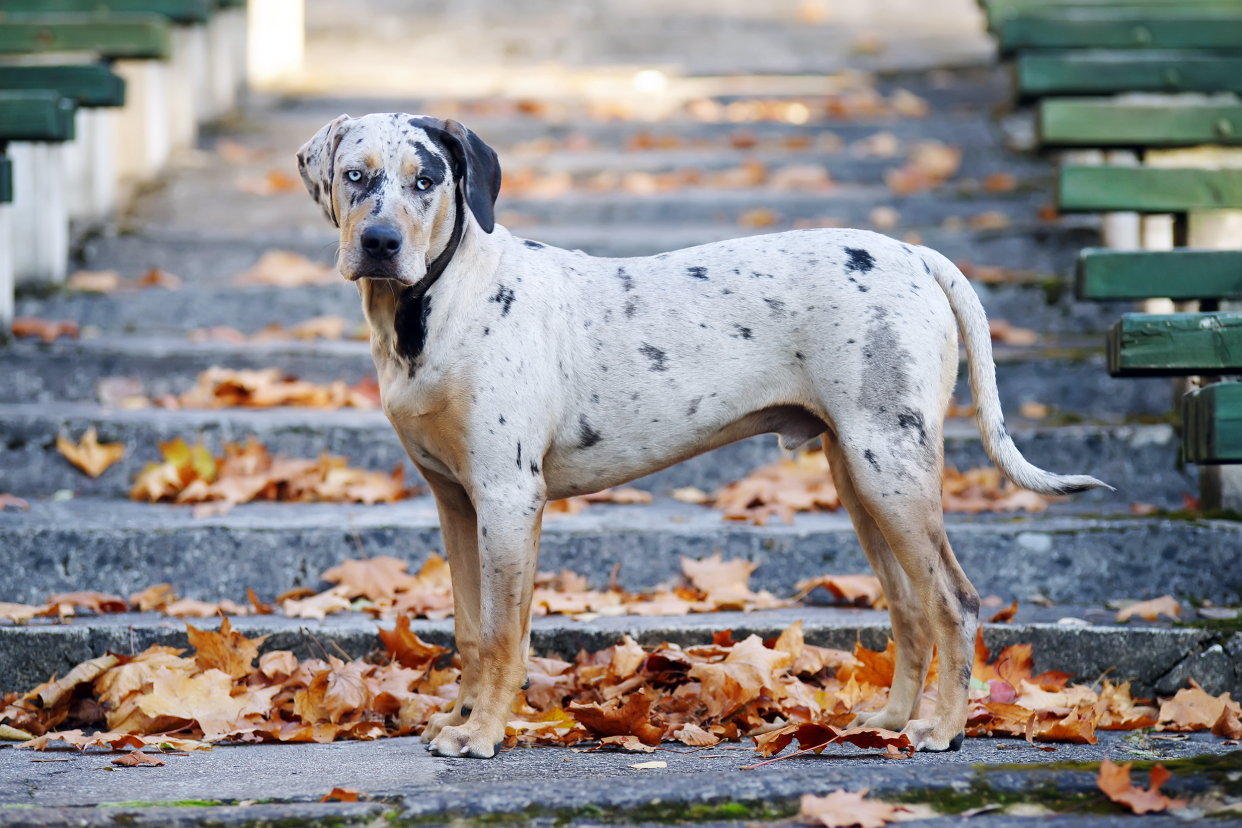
x: 1106, y: 122
x: 1103, y: 72
x: 36, y: 115
x: 1212, y: 424
x: 1147, y: 189
x: 6, y: 180
x: 90, y: 84
x: 1104, y: 28
x: 181, y: 11
x: 1177, y: 344
x: 110, y: 36
x: 1181, y: 275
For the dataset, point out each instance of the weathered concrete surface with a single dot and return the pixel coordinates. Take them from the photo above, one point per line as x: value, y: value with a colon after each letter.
x: 1153, y: 656
x: 544, y: 784
x: 123, y: 547
x: 1068, y: 376
x: 1141, y: 461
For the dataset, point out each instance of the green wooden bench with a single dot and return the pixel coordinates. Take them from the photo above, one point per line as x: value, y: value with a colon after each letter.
x: 6, y: 180
x: 36, y: 115
x: 1159, y: 121
x: 89, y: 84
x: 141, y: 36
x: 1130, y: 275
x: 1154, y: 27
x: 1212, y: 418
x: 178, y: 11
x: 1041, y: 73
x: 1147, y: 189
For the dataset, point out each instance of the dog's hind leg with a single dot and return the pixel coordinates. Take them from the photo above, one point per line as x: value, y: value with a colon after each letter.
x: 901, y: 492
x: 911, y: 630
x: 459, y: 528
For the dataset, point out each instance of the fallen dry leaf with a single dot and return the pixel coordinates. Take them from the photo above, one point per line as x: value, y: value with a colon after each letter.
x: 1006, y: 615
x: 136, y: 757
x: 649, y: 765
x: 271, y: 387
x: 858, y: 590
x: 342, y: 795
x: 19, y: 613
x: 1151, y: 610
x: 46, y: 329
x: 227, y: 650
x: 1193, y: 709
x: 90, y: 455
x: 1114, y: 781
x: 8, y: 501
x: 843, y: 809
x: 280, y: 268
x: 1002, y: 331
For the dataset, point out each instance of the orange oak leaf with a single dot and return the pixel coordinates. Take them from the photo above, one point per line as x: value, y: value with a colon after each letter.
x: 843, y: 809
x: 342, y: 795
x: 1114, y: 781
x: 90, y: 455
x: 630, y: 719
x: 407, y: 648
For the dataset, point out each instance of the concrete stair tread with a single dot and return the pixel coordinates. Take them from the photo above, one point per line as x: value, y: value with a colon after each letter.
x: 1140, y: 651
x: 121, y: 546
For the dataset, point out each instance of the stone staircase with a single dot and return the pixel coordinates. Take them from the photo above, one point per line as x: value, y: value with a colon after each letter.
x: 85, y: 534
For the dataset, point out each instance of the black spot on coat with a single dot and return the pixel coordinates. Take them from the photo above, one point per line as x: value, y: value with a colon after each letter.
x: 533, y: 245
x: 697, y: 272
x: 504, y: 297
x: 587, y: 436
x: 870, y: 458
x: 658, y: 358
x: 627, y: 281
x: 860, y: 260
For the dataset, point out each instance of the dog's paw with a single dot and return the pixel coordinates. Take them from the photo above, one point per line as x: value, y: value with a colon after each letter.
x: 926, y: 736
x: 465, y: 742
x: 438, y: 722
x: 883, y: 718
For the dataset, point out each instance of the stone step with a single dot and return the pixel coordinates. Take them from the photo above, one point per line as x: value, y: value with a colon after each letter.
x: 1068, y: 375
x: 1141, y: 461
x: 1141, y: 652
x: 242, y: 786
x: 122, y: 547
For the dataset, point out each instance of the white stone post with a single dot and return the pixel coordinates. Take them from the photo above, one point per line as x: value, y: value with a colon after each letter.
x: 40, y: 230
x: 276, y: 42
x: 6, y: 265
x: 141, y: 134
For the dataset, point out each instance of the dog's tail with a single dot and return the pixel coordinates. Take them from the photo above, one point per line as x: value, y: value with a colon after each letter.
x: 996, y: 440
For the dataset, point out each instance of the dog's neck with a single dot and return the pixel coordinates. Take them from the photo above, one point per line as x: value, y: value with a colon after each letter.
x: 399, y: 315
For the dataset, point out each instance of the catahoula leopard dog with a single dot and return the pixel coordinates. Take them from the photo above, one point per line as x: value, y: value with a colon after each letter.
x: 515, y: 372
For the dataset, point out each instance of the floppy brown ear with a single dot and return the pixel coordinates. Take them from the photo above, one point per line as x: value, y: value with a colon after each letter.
x: 317, y: 164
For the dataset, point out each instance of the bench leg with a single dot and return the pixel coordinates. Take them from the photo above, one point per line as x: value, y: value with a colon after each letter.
x: 188, y: 53
x: 90, y: 172
x: 6, y: 266
x: 40, y: 230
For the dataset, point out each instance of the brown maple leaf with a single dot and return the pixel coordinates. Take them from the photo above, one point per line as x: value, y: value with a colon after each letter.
x: 407, y: 648
x: 227, y: 650
x: 1194, y: 709
x: 342, y: 795
x: 46, y: 329
x: 747, y: 671
x: 90, y: 455
x: 1006, y: 615
x: 843, y: 809
x: 1114, y: 781
x: 630, y: 719
x: 374, y: 578
x: 206, y: 699
x: 1151, y: 610
x: 859, y: 590
x: 136, y: 758
x: 153, y: 598
x: 334, y: 693
x: 99, y: 603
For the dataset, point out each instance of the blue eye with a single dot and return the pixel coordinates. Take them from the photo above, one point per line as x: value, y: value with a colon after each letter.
x: 354, y: 175
x: 423, y: 183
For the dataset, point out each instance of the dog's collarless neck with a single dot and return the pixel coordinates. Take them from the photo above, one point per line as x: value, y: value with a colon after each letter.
x: 414, y: 306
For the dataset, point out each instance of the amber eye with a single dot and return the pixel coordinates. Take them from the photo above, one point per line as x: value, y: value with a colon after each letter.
x: 423, y: 183
x: 354, y: 175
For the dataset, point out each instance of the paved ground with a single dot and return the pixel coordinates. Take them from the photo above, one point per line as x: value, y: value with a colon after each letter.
x: 564, y: 785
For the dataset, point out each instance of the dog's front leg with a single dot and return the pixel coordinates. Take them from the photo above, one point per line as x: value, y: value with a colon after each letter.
x: 459, y: 527
x: 508, y: 543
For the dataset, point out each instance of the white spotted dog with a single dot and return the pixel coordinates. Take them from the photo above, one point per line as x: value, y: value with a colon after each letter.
x: 515, y: 373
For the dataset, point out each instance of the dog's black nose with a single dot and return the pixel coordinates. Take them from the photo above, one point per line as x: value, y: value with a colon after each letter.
x: 381, y: 242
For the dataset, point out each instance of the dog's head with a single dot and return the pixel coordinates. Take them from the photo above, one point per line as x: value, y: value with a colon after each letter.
x: 400, y: 188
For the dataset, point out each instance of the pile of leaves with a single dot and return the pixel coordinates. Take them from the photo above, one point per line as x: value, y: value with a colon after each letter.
x: 271, y: 387
x: 329, y: 327
x: 110, y: 281
x: 626, y: 696
x: 803, y: 483
x: 247, y: 472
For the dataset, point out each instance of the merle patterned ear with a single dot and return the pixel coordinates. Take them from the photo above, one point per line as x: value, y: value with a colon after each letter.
x: 474, y: 163
x: 481, y: 172
x: 317, y: 164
